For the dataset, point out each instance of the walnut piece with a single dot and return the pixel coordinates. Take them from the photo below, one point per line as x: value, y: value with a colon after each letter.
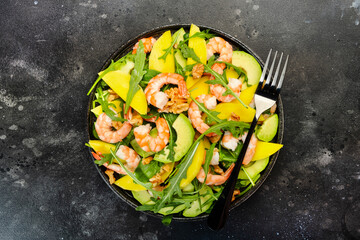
x: 215, y: 139
x: 218, y: 170
x: 234, y: 117
x: 112, y: 95
x: 136, y: 119
x: 197, y: 71
x: 176, y: 104
x: 236, y: 192
x: 110, y: 174
x: 117, y: 125
x: 147, y: 160
x: 156, y: 180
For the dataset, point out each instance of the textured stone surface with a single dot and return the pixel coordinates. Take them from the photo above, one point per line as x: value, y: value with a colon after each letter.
x: 50, y: 52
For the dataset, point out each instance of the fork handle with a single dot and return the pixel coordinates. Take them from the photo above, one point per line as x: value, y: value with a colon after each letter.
x: 220, y: 211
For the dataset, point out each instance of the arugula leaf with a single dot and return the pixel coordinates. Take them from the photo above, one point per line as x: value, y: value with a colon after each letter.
x: 150, y: 73
x: 112, y: 67
x: 102, y: 100
x: 104, y: 159
x: 211, y: 114
x: 174, y: 40
x: 148, y: 185
x: 172, y: 139
x: 136, y: 75
x: 203, y: 34
x: 239, y: 70
x: 166, y: 220
x: 174, y: 182
x: 150, y: 169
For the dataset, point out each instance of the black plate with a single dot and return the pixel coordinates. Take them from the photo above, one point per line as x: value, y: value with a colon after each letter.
x: 156, y: 32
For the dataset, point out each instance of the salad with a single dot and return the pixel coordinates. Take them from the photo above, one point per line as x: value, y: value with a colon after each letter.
x: 170, y: 118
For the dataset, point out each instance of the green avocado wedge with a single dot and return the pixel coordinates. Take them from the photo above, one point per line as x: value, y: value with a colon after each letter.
x: 268, y: 129
x: 195, y: 209
x: 249, y: 64
x: 185, y: 138
x: 253, y: 170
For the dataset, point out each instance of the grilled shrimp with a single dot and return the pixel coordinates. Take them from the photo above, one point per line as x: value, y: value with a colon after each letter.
x: 217, y: 90
x: 159, y: 99
x: 148, y: 44
x: 104, y: 129
x: 148, y: 143
x: 130, y: 156
x: 195, y: 113
x: 219, y: 45
x: 230, y: 142
x: 213, y: 179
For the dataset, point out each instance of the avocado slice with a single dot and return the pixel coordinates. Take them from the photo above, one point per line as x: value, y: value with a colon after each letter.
x: 254, y: 169
x: 127, y: 67
x: 195, y: 209
x: 249, y: 64
x: 143, y: 197
x: 268, y: 129
x: 185, y: 138
x: 172, y: 210
x: 179, y: 58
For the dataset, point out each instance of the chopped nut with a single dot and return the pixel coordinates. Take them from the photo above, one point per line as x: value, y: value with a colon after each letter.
x: 234, y: 117
x: 117, y: 125
x: 165, y: 168
x: 155, y: 180
x: 136, y: 119
x: 110, y: 174
x: 147, y: 160
x: 176, y: 104
x: 215, y: 139
x: 273, y: 108
x: 112, y: 95
x: 236, y: 192
x: 197, y: 71
x: 218, y: 170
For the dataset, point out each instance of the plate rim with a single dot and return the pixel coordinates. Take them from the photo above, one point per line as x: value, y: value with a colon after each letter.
x: 118, y: 53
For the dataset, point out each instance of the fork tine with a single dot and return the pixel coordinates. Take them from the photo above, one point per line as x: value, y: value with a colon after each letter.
x: 265, y: 68
x: 277, y: 72
x: 282, y: 75
x: 268, y: 79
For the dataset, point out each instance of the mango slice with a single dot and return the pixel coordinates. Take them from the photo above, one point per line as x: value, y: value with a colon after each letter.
x: 195, y: 166
x: 201, y: 87
x: 231, y: 73
x: 225, y: 109
x: 265, y: 149
x: 127, y: 183
x: 199, y: 46
x: 167, y: 66
x: 119, y: 82
x: 248, y: 94
x: 102, y: 147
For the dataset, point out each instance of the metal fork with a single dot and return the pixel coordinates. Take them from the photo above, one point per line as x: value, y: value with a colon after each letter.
x: 265, y: 97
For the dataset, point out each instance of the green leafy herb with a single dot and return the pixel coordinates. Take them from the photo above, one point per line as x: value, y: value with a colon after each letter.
x: 166, y: 220
x: 136, y: 74
x: 174, y: 182
x: 238, y: 70
x: 210, y: 114
x: 112, y: 67
x: 102, y: 99
x: 169, y: 49
x: 150, y: 73
x: 170, y: 118
x: 148, y: 185
x: 104, y: 159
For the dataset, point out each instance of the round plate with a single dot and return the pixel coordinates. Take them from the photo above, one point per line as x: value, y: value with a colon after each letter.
x: 156, y: 32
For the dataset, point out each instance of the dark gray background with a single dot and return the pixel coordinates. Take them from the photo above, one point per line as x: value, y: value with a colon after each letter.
x: 50, y: 52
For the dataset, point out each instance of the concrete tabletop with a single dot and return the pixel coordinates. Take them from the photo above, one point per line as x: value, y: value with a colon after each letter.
x: 50, y: 53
